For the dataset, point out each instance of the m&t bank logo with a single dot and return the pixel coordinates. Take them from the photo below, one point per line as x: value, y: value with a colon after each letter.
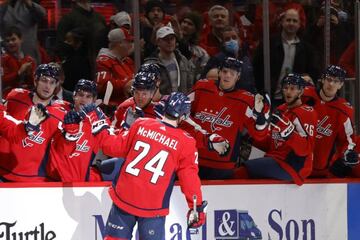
x: 235, y: 224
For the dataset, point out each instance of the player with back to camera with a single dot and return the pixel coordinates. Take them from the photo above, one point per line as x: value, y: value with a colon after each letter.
x: 155, y: 153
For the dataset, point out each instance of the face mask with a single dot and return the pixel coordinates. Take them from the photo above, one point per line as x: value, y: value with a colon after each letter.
x: 232, y: 46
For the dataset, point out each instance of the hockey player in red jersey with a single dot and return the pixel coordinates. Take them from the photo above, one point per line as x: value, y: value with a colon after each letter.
x: 143, y: 89
x: 26, y: 160
x: 67, y: 162
x: 334, y: 127
x: 221, y: 108
x: 290, y: 142
x: 155, y: 152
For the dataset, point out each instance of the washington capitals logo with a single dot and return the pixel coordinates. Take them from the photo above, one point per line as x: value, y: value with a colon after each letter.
x: 323, y: 129
x: 215, y: 119
x: 33, y: 137
x: 82, y: 147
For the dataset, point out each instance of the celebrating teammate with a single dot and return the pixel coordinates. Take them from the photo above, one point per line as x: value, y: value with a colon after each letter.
x: 290, y: 143
x: 222, y: 109
x: 26, y: 161
x: 335, y: 126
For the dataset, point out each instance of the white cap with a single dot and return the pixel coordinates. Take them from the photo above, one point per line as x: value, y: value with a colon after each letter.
x: 121, y: 18
x: 164, y: 31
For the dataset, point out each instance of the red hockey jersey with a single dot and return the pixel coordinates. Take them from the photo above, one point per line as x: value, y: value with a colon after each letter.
x: 120, y: 111
x: 228, y: 114
x: 334, y: 130
x: 294, y: 154
x: 27, y: 159
x: 154, y: 154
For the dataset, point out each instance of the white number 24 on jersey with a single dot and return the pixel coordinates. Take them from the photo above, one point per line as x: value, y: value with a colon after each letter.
x: 158, y: 161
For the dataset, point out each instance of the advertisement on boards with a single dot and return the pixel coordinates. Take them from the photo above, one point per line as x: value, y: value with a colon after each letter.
x: 269, y: 212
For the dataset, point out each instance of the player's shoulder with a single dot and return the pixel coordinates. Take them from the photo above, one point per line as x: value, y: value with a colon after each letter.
x: 61, y: 104
x: 205, y: 84
x: 127, y: 103
x: 58, y: 110
x: 342, y: 105
x: 18, y: 94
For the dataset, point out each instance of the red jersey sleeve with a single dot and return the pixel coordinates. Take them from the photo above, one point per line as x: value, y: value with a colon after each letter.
x: 187, y: 173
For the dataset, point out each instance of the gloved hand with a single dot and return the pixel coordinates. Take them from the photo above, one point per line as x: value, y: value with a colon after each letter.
x: 282, y: 124
x: 159, y: 108
x: 351, y: 158
x: 130, y: 117
x: 37, y: 114
x: 96, y: 117
x: 261, y: 118
x: 219, y: 144
x: 72, y: 127
x: 198, y: 218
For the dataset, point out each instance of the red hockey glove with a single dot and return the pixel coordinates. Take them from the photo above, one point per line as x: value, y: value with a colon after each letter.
x: 219, y: 144
x: 130, y: 116
x: 37, y: 114
x: 282, y: 124
x: 197, y: 218
x: 72, y: 127
x: 96, y: 117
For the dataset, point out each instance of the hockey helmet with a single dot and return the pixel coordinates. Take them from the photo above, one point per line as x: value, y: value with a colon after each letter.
x: 150, y: 68
x: 293, y: 79
x: 232, y: 63
x: 335, y: 71
x: 144, y: 80
x: 177, y: 105
x: 86, y: 86
x: 48, y: 70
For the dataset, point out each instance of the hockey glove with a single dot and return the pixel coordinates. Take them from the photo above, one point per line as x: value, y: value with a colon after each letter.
x: 282, y: 124
x: 72, y: 127
x: 109, y: 168
x: 219, y: 144
x: 351, y: 158
x: 261, y: 118
x: 37, y: 114
x: 96, y: 117
x: 339, y: 169
x: 197, y: 218
x: 159, y: 108
x: 130, y: 117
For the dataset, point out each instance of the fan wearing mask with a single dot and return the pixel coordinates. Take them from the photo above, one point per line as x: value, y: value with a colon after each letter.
x: 232, y: 47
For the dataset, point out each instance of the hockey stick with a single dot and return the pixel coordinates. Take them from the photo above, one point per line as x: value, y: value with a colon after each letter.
x: 108, y: 92
x: 195, y: 125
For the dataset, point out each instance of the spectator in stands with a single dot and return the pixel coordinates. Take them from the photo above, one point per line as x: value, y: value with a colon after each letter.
x: 190, y: 29
x: 114, y: 65
x: 175, y: 70
x: 153, y: 19
x: 232, y: 47
x: 335, y: 128
x: 218, y: 19
x: 60, y: 92
x: 75, y: 62
x: 26, y: 15
x: 83, y: 16
x: 288, y: 53
x: 18, y: 68
x: 341, y: 35
x: 121, y: 20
